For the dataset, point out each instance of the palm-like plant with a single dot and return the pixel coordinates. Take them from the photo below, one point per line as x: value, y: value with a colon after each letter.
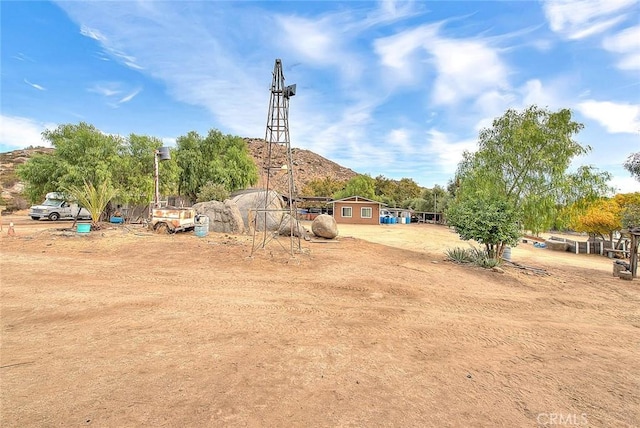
x: 94, y: 199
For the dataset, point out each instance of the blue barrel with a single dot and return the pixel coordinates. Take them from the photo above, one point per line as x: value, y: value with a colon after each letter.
x: 381, y: 219
x: 393, y: 220
x: 408, y: 220
x: 202, y: 226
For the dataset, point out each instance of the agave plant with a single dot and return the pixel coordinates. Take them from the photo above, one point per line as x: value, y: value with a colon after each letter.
x: 459, y: 255
x: 94, y: 199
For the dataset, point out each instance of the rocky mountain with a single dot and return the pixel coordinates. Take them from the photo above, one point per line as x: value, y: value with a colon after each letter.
x: 10, y: 185
x: 308, y: 166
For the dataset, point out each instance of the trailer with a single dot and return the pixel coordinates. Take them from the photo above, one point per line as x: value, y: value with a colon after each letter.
x: 172, y: 219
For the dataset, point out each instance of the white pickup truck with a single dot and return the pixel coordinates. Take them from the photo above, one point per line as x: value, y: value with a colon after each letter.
x: 56, y: 207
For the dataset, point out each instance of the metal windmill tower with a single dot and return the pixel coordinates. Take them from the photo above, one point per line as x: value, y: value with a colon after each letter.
x: 277, y: 134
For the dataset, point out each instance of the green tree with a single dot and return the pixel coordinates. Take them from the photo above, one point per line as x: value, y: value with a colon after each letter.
x: 212, y: 192
x: 489, y: 220
x: 216, y: 158
x: 360, y: 185
x: 632, y: 165
x: 134, y: 176
x: 85, y: 154
x: 396, y: 192
x: 326, y: 187
x: 523, y: 158
x: 82, y: 153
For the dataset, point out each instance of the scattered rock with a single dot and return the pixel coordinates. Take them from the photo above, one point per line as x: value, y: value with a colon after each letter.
x: 325, y: 226
x: 288, y: 223
x: 626, y: 275
x: 497, y: 269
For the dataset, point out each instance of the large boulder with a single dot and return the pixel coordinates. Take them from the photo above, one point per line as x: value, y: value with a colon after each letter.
x: 224, y: 217
x: 289, y: 223
x: 248, y: 203
x: 325, y: 226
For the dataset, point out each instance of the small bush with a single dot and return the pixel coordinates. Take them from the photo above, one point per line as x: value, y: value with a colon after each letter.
x: 459, y: 255
x: 487, y: 262
x: 474, y: 255
x: 212, y: 192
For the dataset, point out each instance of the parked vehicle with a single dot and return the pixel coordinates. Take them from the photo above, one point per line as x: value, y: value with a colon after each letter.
x: 57, y: 207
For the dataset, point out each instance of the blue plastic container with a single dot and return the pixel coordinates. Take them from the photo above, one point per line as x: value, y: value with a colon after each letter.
x: 83, y: 227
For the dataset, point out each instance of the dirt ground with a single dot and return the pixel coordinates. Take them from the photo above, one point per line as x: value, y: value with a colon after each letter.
x: 126, y: 328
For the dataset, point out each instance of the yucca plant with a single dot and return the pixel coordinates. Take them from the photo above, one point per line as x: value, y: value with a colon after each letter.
x: 94, y: 199
x: 459, y: 255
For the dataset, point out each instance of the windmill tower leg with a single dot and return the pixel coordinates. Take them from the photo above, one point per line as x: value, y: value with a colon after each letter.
x: 277, y: 139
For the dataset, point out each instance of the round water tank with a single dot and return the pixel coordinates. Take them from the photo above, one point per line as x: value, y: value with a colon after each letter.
x: 163, y: 153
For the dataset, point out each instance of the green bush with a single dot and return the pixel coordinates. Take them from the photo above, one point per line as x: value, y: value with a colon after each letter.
x: 212, y: 192
x: 459, y: 255
x: 474, y: 255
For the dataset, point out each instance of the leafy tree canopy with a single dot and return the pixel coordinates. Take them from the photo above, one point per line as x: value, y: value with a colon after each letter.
x: 216, y: 158
x: 360, y: 185
x: 326, y: 187
x: 633, y: 165
x: 85, y: 154
x: 523, y: 158
x: 606, y: 216
x: 488, y: 219
x: 396, y: 192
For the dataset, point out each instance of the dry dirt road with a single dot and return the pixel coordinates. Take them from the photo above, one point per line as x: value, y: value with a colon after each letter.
x: 127, y: 328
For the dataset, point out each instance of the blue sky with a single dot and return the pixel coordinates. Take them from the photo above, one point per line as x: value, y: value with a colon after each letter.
x: 397, y: 88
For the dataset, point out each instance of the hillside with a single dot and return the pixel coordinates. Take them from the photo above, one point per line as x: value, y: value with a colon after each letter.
x: 308, y: 166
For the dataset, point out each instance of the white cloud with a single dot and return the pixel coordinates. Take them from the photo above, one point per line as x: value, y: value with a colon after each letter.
x: 465, y: 67
x: 615, y: 117
x: 624, y: 184
x: 110, y: 49
x: 34, y: 85
x: 534, y: 92
x: 19, y: 132
x: 320, y: 43
x: 130, y: 96
x: 107, y: 89
x: 445, y: 152
x: 400, y: 139
x: 92, y: 33
x: 627, y: 44
x: 577, y: 19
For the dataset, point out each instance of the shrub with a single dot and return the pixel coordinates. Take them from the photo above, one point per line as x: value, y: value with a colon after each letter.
x: 459, y: 255
x: 474, y: 255
x: 212, y: 192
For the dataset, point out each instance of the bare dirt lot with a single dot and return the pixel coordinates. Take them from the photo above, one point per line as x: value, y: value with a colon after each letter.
x: 127, y: 328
